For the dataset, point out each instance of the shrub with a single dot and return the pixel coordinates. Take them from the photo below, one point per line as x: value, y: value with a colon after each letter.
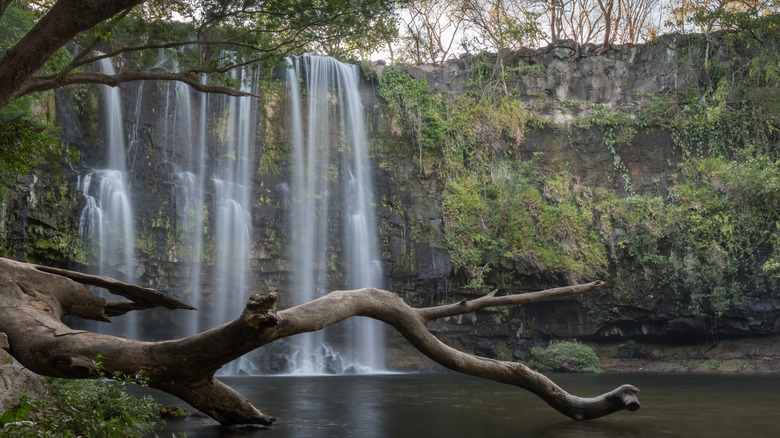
x: 92, y: 408
x: 566, y: 356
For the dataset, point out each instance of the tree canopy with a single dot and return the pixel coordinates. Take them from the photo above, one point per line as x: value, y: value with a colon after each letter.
x: 47, y: 45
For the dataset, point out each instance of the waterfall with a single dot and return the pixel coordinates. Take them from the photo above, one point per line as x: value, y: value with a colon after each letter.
x: 106, y: 221
x: 233, y: 197
x: 194, y: 161
x: 212, y: 191
x: 335, y: 123
x: 196, y: 203
x: 186, y: 150
x: 209, y: 144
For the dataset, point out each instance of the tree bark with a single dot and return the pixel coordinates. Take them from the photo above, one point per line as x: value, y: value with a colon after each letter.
x: 34, y: 298
x: 3, y: 5
x: 65, y: 20
x: 44, y: 83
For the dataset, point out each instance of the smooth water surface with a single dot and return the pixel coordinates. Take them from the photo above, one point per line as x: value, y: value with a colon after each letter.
x: 453, y: 405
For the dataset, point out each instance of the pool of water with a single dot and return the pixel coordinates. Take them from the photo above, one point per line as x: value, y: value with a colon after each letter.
x: 453, y: 405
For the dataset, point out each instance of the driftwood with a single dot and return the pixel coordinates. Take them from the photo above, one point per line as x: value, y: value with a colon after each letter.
x: 34, y: 298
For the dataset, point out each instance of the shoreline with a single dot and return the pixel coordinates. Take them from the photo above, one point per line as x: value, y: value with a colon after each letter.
x: 758, y: 355
x: 745, y: 366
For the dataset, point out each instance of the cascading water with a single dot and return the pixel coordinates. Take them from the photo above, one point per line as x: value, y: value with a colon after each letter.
x: 195, y: 216
x: 335, y: 123
x: 233, y: 196
x: 107, y: 219
x: 221, y: 166
x: 186, y: 152
x: 206, y: 147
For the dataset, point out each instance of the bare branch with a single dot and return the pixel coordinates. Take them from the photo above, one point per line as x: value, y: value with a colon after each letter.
x: 142, y: 297
x: 43, y: 83
x: 431, y: 313
x: 32, y: 301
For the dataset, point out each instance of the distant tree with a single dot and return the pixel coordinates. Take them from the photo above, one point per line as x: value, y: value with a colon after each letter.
x: 551, y: 14
x: 555, y: 10
x: 637, y: 24
x: 757, y: 18
x: 582, y: 22
x: 497, y: 25
x: 704, y: 15
x: 429, y: 31
x: 610, y: 17
x: 588, y: 21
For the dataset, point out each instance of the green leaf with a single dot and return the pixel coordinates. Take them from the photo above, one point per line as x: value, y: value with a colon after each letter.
x: 18, y: 412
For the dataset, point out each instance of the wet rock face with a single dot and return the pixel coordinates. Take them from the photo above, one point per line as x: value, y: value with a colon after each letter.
x: 39, y: 218
x: 651, y: 159
x: 451, y: 77
x: 416, y: 263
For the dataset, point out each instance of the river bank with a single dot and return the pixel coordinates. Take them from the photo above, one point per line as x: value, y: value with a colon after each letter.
x: 759, y: 355
x: 733, y: 356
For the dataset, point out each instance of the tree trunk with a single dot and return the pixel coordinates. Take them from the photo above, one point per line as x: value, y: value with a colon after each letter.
x: 34, y: 298
x: 65, y: 20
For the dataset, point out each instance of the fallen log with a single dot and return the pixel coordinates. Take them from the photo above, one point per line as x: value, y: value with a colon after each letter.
x: 33, y: 299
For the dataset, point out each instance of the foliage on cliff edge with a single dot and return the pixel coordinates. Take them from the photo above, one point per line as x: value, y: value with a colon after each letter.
x: 712, y: 241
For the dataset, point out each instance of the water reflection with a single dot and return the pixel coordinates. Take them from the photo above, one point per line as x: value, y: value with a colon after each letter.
x: 452, y: 405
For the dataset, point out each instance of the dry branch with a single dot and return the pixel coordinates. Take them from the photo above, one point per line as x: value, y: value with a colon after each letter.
x: 32, y: 300
x: 43, y: 83
x: 142, y: 297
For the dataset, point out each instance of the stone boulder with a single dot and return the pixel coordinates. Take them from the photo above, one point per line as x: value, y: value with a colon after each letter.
x: 15, y: 381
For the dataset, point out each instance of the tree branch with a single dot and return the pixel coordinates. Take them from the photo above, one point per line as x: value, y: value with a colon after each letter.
x: 76, y: 61
x: 186, y: 367
x: 3, y: 5
x: 65, y: 20
x: 142, y: 297
x: 170, y: 45
x: 43, y: 83
x: 490, y: 300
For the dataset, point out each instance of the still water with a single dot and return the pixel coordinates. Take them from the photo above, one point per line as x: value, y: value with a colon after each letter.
x: 453, y: 405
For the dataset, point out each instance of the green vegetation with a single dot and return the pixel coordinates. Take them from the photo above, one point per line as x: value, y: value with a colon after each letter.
x: 84, y: 408
x: 16, y: 413
x: 711, y: 240
x: 27, y: 141
x: 415, y: 109
x: 564, y: 356
x: 499, y: 210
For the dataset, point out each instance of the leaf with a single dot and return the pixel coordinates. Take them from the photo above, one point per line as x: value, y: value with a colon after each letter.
x: 18, y: 412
